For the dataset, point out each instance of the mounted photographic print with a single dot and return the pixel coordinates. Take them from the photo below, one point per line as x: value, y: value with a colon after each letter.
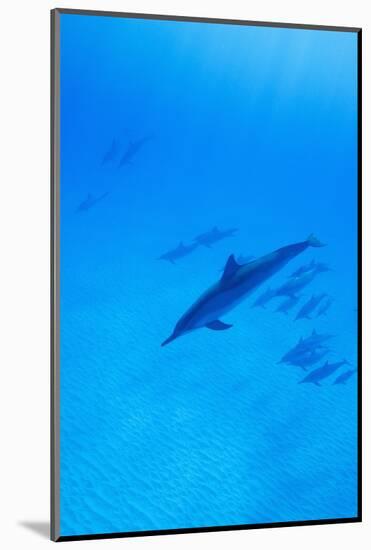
x: 205, y: 274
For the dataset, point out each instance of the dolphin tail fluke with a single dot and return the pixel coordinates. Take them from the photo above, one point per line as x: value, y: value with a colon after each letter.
x: 313, y: 241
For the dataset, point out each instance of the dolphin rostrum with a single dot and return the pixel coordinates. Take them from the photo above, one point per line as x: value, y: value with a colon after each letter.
x: 235, y: 284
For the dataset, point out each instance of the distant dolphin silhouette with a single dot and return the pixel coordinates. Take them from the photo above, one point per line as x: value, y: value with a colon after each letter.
x: 294, y: 284
x: 112, y: 152
x: 264, y: 298
x: 319, y: 374
x: 213, y: 236
x: 179, y: 252
x: 321, y: 267
x: 315, y: 339
x: 303, y: 269
x: 309, y: 344
x: 288, y: 304
x: 309, y: 306
x: 324, y: 307
x: 91, y: 201
x: 132, y: 150
x: 307, y: 358
x: 344, y: 376
x: 236, y: 283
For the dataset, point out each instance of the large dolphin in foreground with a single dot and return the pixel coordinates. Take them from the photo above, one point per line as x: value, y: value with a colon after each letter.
x: 236, y: 283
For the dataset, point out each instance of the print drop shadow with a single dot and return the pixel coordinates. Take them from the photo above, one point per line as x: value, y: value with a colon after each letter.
x: 41, y: 528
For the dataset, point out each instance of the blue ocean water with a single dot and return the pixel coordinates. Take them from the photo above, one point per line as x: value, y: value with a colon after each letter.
x: 250, y: 128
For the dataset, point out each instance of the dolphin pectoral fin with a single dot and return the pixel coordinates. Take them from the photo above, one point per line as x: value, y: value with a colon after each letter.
x: 218, y: 325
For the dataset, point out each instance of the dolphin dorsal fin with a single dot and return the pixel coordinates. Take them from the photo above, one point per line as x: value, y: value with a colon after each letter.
x: 231, y: 267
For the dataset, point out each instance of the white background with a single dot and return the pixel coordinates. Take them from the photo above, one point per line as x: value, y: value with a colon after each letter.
x: 24, y: 269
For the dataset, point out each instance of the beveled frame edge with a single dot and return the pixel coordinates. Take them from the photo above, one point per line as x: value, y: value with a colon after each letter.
x: 196, y: 19
x: 55, y: 275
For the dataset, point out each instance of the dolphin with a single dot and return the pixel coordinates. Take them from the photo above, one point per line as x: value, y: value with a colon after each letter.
x: 264, y: 298
x: 315, y: 339
x: 111, y: 153
x: 132, y: 150
x: 288, y: 304
x: 303, y: 269
x: 309, y: 344
x: 90, y: 201
x: 179, y: 252
x: 324, y: 307
x: 344, y: 376
x: 319, y: 374
x: 309, y: 307
x: 308, y: 358
x: 215, y: 235
x: 297, y: 352
x: 294, y: 284
x: 235, y: 284
x: 321, y: 267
